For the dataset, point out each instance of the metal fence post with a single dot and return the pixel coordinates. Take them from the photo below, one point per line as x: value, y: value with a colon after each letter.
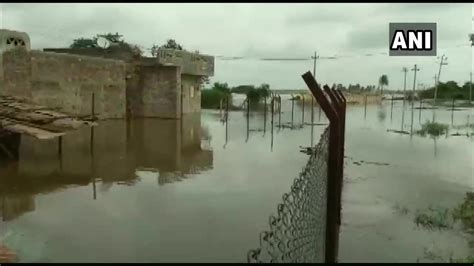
x: 338, y: 106
x: 332, y: 223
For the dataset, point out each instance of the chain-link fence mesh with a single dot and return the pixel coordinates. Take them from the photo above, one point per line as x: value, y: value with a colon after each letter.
x: 297, y: 233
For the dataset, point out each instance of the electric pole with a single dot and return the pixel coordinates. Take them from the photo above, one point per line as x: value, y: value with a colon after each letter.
x: 315, y: 57
x: 442, y: 63
x: 414, y: 69
x: 405, y: 70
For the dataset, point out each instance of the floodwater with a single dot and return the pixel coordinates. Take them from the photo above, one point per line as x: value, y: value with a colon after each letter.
x: 199, y: 190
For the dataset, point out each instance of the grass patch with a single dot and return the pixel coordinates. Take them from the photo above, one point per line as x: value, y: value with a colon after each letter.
x: 433, y: 129
x: 434, y: 218
x: 465, y: 212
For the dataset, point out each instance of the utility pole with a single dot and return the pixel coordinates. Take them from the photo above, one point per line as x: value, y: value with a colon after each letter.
x: 315, y: 57
x: 414, y: 69
x: 405, y: 70
x: 442, y: 63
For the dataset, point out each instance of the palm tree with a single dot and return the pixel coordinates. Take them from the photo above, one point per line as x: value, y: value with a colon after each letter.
x: 383, y: 81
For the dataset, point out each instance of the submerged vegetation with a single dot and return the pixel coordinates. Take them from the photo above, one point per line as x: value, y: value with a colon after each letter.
x: 434, y: 218
x: 433, y: 129
x: 444, y: 218
x: 465, y: 212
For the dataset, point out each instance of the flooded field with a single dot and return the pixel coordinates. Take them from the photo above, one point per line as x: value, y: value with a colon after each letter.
x: 199, y: 190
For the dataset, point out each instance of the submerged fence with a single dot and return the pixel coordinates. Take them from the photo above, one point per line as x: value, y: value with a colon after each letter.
x: 306, y: 227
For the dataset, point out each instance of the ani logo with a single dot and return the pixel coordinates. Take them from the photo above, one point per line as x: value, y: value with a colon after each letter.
x: 412, y: 39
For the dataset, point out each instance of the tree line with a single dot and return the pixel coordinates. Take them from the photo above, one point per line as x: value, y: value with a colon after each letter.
x: 211, y: 97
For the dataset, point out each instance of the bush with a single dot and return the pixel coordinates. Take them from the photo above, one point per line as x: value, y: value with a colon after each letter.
x: 433, y: 129
x: 447, y: 90
x: 211, y: 98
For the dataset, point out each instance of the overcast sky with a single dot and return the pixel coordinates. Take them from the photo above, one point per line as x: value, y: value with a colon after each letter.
x: 350, y: 31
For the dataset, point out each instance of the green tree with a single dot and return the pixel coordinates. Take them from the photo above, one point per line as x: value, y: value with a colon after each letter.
x: 211, y: 98
x: 222, y: 87
x: 263, y: 90
x: 112, y: 37
x: 83, y: 43
x: 172, y: 44
x: 383, y: 81
x: 242, y: 89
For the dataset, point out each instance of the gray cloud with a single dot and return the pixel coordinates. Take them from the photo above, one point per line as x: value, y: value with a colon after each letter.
x: 262, y: 30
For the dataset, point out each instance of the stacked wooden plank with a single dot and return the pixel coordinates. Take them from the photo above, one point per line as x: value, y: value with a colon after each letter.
x: 19, y: 116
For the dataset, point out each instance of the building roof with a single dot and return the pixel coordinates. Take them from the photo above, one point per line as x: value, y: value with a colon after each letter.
x: 19, y: 116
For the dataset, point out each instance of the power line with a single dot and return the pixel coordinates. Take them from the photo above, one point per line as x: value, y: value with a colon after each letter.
x: 310, y: 58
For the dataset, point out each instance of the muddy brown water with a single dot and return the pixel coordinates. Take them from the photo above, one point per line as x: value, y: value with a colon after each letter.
x: 188, y: 191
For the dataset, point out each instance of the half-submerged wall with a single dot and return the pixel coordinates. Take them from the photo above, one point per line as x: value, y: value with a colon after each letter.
x: 66, y: 81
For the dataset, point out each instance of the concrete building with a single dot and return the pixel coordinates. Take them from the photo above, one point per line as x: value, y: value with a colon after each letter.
x: 166, y: 86
x: 123, y: 83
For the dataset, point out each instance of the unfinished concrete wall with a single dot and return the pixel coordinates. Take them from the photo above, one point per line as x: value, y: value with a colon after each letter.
x: 66, y: 82
x: 190, y: 63
x: 191, y: 132
x: 114, y: 52
x: 159, y: 90
x: 191, y: 90
x: 15, y: 77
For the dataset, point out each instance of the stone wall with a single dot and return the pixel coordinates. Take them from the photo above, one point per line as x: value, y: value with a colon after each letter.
x: 66, y: 81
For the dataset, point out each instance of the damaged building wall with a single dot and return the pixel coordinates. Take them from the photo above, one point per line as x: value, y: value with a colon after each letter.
x: 66, y: 81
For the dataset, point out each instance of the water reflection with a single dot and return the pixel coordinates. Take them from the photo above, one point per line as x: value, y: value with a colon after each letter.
x: 381, y: 114
x: 117, y: 152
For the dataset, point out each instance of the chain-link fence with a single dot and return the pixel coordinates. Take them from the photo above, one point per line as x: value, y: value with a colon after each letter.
x: 297, y: 232
x: 306, y: 227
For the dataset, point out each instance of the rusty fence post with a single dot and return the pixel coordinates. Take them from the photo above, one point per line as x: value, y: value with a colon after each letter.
x: 332, y: 109
x: 337, y: 102
x: 343, y: 102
